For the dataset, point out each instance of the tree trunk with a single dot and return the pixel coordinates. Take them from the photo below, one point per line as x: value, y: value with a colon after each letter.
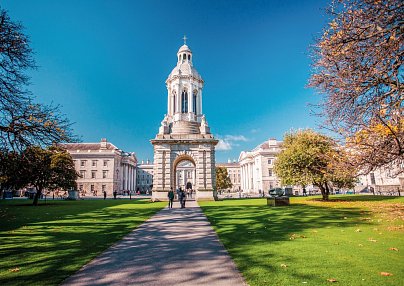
x: 324, y: 191
x: 327, y: 192
x: 37, y: 196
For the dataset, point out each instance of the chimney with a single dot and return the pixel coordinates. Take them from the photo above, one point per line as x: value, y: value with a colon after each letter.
x: 272, y: 142
x: 103, y: 143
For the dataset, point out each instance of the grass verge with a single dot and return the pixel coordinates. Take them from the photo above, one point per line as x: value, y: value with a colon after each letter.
x: 43, y: 245
x: 351, y: 240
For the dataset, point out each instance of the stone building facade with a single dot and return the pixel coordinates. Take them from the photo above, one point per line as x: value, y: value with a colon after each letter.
x: 234, y: 172
x: 256, y: 167
x: 144, y: 177
x: 184, y: 134
x: 103, y: 167
x: 383, y: 181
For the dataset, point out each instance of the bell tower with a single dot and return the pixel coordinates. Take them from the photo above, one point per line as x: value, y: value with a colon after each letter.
x: 184, y: 134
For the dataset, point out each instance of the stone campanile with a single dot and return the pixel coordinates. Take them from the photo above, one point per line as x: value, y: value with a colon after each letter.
x: 184, y: 134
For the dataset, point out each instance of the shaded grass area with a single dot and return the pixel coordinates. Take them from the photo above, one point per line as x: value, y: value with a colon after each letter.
x: 351, y: 239
x: 43, y: 245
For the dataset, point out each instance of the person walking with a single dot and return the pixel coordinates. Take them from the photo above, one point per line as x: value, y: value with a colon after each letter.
x: 181, y: 197
x: 184, y: 198
x: 170, y: 198
x: 105, y: 195
x: 115, y: 193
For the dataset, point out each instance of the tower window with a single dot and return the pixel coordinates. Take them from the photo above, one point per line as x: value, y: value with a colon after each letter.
x: 184, y: 101
x: 189, y: 57
x: 184, y: 56
x: 194, y: 101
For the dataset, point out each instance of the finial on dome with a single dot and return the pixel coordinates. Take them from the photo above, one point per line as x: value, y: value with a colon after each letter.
x: 185, y: 39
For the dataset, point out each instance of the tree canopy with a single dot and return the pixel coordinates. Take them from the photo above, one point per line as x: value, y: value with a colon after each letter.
x: 357, y: 66
x: 51, y: 168
x: 222, y: 179
x: 310, y: 158
x: 23, y: 122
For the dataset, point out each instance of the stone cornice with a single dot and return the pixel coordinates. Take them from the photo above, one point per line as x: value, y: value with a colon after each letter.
x: 174, y: 77
x: 210, y: 141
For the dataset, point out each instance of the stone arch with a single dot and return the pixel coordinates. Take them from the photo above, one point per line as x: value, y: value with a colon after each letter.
x: 180, y: 158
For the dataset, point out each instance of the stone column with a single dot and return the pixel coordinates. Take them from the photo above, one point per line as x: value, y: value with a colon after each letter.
x: 126, y: 177
x: 249, y: 177
x: 242, y: 177
x: 131, y: 178
x: 200, y: 101
x: 169, y: 95
x: 190, y: 98
x: 178, y: 99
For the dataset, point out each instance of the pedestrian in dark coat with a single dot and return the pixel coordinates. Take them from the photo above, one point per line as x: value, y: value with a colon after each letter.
x: 181, y: 197
x: 170, y: 198
x: 105, y: 195
x: 184, y: 199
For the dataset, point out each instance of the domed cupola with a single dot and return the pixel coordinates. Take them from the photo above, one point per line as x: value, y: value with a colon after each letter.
x: 184, y: 67
x: 184, y: 54
x: 184, y: 104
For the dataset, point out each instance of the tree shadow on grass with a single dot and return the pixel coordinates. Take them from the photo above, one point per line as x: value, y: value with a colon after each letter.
x: 242, y: 229
x: 48, y: 244
x: 16, y: 214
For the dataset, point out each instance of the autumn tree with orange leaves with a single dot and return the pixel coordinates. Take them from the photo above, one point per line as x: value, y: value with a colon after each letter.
x: 357, y: 67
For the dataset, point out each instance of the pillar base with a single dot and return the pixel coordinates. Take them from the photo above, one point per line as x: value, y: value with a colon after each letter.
x: 159, y: 196
x: 205, y: 195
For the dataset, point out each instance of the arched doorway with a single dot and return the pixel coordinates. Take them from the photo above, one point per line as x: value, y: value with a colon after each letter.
x: 184, y: 172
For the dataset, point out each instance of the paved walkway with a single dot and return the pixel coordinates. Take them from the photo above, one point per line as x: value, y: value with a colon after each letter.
x: 175, y: 247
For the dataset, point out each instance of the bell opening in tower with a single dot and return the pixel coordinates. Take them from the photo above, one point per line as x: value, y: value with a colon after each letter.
x: 184, y: 99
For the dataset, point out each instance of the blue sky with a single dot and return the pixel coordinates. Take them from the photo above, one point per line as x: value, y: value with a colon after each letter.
x: 106, y: 62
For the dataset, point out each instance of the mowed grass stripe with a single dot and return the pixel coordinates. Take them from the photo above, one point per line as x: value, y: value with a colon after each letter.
x: 348, y: 239
x: 43, y: 245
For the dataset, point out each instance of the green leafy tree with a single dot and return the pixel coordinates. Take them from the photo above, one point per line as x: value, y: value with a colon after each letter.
x: 51, y: 169
x: 312, y: 158
x: 222, y: 179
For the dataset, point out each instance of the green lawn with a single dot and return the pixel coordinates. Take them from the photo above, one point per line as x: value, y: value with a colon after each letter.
x: 43, y: 245
x: 352, y: 239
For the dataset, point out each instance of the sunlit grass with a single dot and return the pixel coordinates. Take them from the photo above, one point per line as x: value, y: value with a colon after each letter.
x: 352, y: 240
x: 43, y: 245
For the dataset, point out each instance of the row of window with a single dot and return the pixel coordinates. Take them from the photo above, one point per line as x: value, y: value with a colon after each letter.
x: 83, y: 163
x: 92, y: 189
x: 144, y: 176
x: 93, y: 174
x: 184, y: 57
x: 184, y: 101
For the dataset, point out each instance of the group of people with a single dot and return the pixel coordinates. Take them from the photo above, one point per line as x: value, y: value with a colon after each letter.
x: 182, y: 197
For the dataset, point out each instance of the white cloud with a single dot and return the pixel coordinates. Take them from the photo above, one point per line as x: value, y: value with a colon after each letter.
x: 256, y: 130
x: 223, y: 145
x: 227, y: 142
x: 235, y: 138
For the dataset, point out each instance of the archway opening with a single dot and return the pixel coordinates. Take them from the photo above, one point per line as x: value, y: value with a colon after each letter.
x: 184, y: 173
